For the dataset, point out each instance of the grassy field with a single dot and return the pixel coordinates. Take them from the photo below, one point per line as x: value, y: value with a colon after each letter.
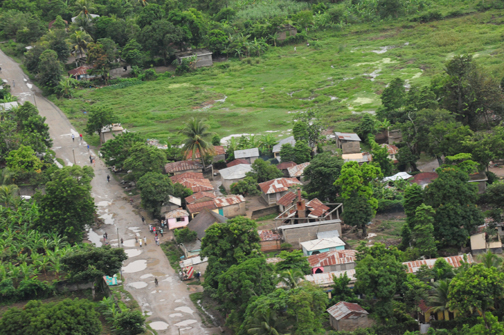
x: 340, y: 74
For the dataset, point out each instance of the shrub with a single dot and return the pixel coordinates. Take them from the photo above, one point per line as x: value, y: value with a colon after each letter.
x: 185, y: 235
x: 285, y: 246
x: 387, y: 205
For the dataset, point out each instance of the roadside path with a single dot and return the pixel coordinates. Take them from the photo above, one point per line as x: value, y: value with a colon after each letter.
x: 168, y: 305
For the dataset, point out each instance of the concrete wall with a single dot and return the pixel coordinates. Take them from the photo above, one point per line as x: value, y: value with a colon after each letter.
x: 350, y: 147
x: 234, y: 210
x: 204, y: 60
x: 351, y: 324
x: 109, y: 135
x: 226, y: 183
x: 282, y: 35
x: 64, y: 286
x: 296, y: 235
x: 264, y: 211
x: 339, y: 267
x: 267, y: 246
x: 193, y: 170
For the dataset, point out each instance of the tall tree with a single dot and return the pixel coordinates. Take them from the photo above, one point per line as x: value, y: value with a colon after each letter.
x: 155, y: 189
x: 300, y: 131
x: 392, y: 98
x: 115, y: 151
x: 381, y: 157
x: 357, y: 213
x: 197, y: 139
x: 144, y: 158
x: 287, y: 153
x: 322, y: 172
x: 99, y: 117
x: 263, y: 171
x: 422, y: 235
x: 314, y: 126
x: 50, y: 70
x: 161, y: 38
x: 293, y: 260
x: 80, y: 40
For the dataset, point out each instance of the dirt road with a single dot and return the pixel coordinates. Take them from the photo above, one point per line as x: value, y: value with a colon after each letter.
x: 168, y: 305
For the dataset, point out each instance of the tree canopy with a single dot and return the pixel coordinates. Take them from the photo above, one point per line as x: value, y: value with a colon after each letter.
x: 155, y: 189
x: 144, y: 158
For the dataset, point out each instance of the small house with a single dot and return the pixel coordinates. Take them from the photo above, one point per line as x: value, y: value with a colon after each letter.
x: 362, y: 157
x: 231, y: 205
x: 298, y: 170
x: 481, y: 243
x: 173, y: 203
x: 218, y: 154
x: 81, y: 72
x: 234, y: 174
x: 479, y: 179
x: 397, y: 176
x: 275, y: 189
x: 424, y: 178
x: 276, y: 148
x: 321, y: 245
x: 200, y: 197
x: 183, y: 166
x: 178, y: 218
x: 392, y: 151
x: 284, y: 167
x: 286, y: 201
x: 427, y: 315
x: 111, y: 131
x: 197, y: 185
x: 236, y: 162
x: 203, y: 220
x: 285, y: 31
x: 191, y: 249
x: 347, y: 316
x: 349, y: 143
x: 250, y: 155
x: 270, y: 241
x: 335, y: 260
x: 203, y: 57
x: 195, y: 208
x: 323, y: 280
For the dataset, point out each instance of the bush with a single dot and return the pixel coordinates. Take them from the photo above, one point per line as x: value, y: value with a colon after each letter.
x: 387, y: 205
x: 185, y: 65
x: 285, y: 246
x: 492, y: 177
x: 428, y: 17
x: 185, y: 235
x: 149, y: 74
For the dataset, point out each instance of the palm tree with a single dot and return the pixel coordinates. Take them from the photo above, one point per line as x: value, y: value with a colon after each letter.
x: 79, y: 40
x: 439, y: 297
x: 197, y: 139
x: 7, y: 176
x: 268, y: 141
x: 265, y: 324
x: 490, y: 260
x: 66, y: 86
x: 291, y: 278
x: 7, y: 194
x: 84, y: 8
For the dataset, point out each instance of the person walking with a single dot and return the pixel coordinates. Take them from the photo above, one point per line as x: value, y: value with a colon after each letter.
x: 88, y: 147
x: 161, y: 231
x: 108, y: 179
x: 143, y: 219
x: 73, y: 137
x: 154, y: 229
x: 140, y: 243
x: 80, y: 137
x: 150, y: 228
x: 122, y: 242
x: 145, y: 240
x: 106, y: 235
x: 155, y: 281
x: 90, y: 160
x: 156, y: 234
x: 157, y: 240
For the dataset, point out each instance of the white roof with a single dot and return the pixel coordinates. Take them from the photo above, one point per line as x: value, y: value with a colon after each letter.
x: 236, y: 171
x: 347, y: 136
x: 192, y: 261
x: 247, y: 153
x: 6, y: 106
x: 400, y: 175
x: 278, y: 147
x: 175, y: 200
x: 92, y: 16
x: 309, y: 224
x: 359, y: 158
x: 322, y: 243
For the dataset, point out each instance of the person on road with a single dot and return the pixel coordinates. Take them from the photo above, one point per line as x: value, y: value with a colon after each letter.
x: 143, y: 219
x: 108, y: 179
x: 145, y: 240
x: 88, y: 147
x: 122, y: 242
x: 154, y: 229
x: 161, y: 231
x: 73, y: 138
x: 106, y: 235
x: 150, y: 228
x: 80, y: 137
x: 157, y: 240
x: 140, y: 243
x: 155, y: 281
x: 90, y: 160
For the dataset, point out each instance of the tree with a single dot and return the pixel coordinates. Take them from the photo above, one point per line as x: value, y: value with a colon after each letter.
x: 185, y: 235
x: 293, y: 260
x: 485, y: 147
x: 414, y: 290
x: 422, y: 235
x: 478, y: 289
x: 197, y: 139
x: 149, y: 14
x: 406, y: 160
x: 389, y: 8
x: 263, y: 171
x: 132, y: 53
x: 413, y: 197
x: 287, y: 153
x: 59, y: 23
x: 226, y: 244
x: 155, y: 189
x: 246, y: 187
x: 366, y: 128
x: 36, y: 317
x: 144, y: 158
x: 488, y: 325
x: 312, y: 119
x: 129, y: 323
x: 341, y: 291
x: 217, y: 41
x: 300, y: 131
x: 99, y: 117
x: 355, y: 179
x: 23, y: 160
x: 381, y: 157
x: 49, y: 69
x: 67, y: 207
x: 84, y: 9
x: 32, y: 126
x: 161, y: 38
x: 392, y: 99
x: 357, y: 213
x: 180, y: 191
x: 80, y: 40
x: 216, y: 140
x: 322, y: 172
x: 115, y: 151
x: 302, y: 152
x: 91, y: 263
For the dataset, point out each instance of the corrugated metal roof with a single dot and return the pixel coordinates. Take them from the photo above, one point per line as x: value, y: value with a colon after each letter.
x: 317, y: 208
x: 190, y: 175
x: 333, y: 257
x: 285, y: 165
x: 198, y: 207
x: 175, y: 200
x: 183, y: 166
x: 297, y: 171
x: 322, y: 243
x: 197, y: 185
x: 268, y: 235
x: 287, y: 199
x: 254, y: 152
x: 81, y: 70
x: 392, y: 149
x: 228, y: 200
x: 196, y: 196
x: 237, y: 161
x: 345, y: 310
x: 454, y: 261
x: 424, y: 178
x: 235, y: 172
x: 278, y: 147
x: 347, y: 136
x: 309, y: 224
x: 278, y: 185
x: 218, y: 150
x: 192, y: 261
x: 399, y: 175
x: 177, y: 213
x: 325, y: 279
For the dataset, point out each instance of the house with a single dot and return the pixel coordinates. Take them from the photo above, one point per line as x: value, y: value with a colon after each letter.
x: 270, y: 241
x: 426, y: 315
x: 347, y: 316
x: 276, y: 148
x: 298, y: 170
x: 197, y: 185
x: 231, y: 205
x: 191, y: 249
x: 349, y: 143
x: 481, y: 243
x: 454, y: 261
x: 218, y: 154
x: 296, y: 210
x: 392, y: 151
x: 250, y: 155
x: 334, y: 260
x: 294, y: 234
x: 200, y: 197
x: 203, y: 220
x: 284, y: 167
x: 397, y: 176
x: 197, y: 263
x: 81, y: 72
x: 111, y: 131
x: 196, y: 208
x: 234, y: 174
x: 172, y: 204
x: 323, y: 280
x: 183, y: 166
x: 286, y: 201
x: 360, y: 158
x: 285, y: 31
x: 237, y: 161
x: 178, y: 218
x: 479, y: 179
x: 273, y: 190
x: 321, y: 245
x: 424, y: 178
x: 203, y: 57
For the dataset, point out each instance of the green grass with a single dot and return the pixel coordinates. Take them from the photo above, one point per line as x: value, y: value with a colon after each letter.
x: 267, y: 217
x: 173, y: 254
x: 268, y: 93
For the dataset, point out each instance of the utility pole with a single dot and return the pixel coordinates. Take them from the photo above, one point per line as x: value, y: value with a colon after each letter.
x: 74, y: 156
x: 118, y: 240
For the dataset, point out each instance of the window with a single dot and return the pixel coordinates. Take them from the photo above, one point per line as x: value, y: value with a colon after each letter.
x: 181, y: 219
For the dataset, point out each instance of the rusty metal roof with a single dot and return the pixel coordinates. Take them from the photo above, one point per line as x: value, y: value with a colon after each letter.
x: 196, y: 196
x: 198, y: 207
x: 79, y: 71
x: 237, y: 161
x: 297, y: 171
x: 392, y: 149
x: 197, y: 185
x: 345, y: 310
x: 218, y: 150
x: 424, y: 178
x: 183, y: 166
x: 191, y: 175
x: 285, y: 165
x: 454, y: 261
x: 268, y: 235
x: 177, y: 213
x: 317, y: 208
x: 287, y: 199
x: 278, y: 185
x: 333, y: 257
x: 228, y: 200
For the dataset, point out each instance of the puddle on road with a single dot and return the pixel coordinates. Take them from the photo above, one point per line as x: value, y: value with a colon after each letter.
x: 169, y: 279
x: 103, y: 203
x: 138, y: 284
x: 133, y: 252
x: 134, y: 229
x: 146, y: 276
x: 107, y: 218
x: 174, y: 315
x: 94, y: 238
x: 156, y: 291
x: 184, y: 323
x: 162, y: 300
x: 184, y: 309
x: 129, y: 243
x: 135, y: 266
x: 178, y: 300
x: 154, y: 262
x: 159, y: 325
